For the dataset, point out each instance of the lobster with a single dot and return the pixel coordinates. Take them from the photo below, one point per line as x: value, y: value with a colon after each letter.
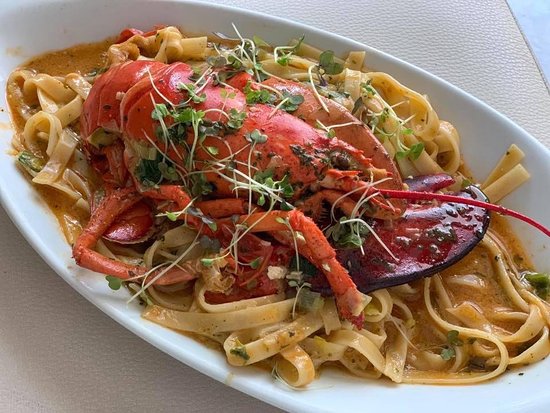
x: 209, y: 137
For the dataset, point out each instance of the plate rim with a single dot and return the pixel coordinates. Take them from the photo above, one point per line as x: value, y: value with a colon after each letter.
x: 39, y: 245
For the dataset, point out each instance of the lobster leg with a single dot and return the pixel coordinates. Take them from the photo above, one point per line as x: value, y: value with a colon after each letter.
x: 173, y: 193
x: 313, y: 205
x: 114, y: 204
x: 347, y: 182
x: 222, y: 208
x: 317, y: 250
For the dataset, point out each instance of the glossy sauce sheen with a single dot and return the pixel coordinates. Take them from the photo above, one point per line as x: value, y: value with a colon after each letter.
x: 88, y: 57
x: 83, y: 59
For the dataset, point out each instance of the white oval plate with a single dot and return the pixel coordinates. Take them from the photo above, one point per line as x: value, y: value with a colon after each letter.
x: 485, y: 135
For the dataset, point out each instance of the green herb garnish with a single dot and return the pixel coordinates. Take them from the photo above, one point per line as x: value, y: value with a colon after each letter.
x: 114, y: 282
x: 291, y: 102
x: 236, y: 119
x: 31, y: 163
x: 453, y: 341
x: 306, y: 267
x: 255, y: 264
x: 160, y: 111
x: 540, y: 282
x: 217, y: 62
x: 284, y: 58
x: 240, y: 351
x: 190, y: 89
x: 148, y: 172
x: 328, y: 65
x: 207, y: 262
x: 348, y: 235
x: 256, y: 137
x: 413, y: 153
x: 200, y: 185
x: 258, y: 96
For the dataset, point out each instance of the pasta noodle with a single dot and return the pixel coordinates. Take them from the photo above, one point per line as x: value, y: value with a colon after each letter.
x: 467, y: 324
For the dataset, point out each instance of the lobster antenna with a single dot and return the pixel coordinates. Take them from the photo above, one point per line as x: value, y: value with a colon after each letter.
x: 430, y: 196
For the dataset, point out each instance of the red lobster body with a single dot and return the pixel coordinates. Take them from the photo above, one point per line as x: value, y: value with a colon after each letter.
x: 318, y: 168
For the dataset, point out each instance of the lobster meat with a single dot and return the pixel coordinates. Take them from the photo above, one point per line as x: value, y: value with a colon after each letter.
x: 144, y: 106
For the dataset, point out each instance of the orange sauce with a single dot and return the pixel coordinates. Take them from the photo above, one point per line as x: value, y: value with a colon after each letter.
x: 82, y: 59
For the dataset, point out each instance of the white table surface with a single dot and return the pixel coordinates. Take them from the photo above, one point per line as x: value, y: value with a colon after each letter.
x: 58, y: 353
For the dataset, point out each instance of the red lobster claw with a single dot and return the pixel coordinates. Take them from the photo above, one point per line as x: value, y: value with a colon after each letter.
x: 427, y: 239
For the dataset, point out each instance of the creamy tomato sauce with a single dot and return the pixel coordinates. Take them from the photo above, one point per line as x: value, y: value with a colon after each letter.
x: 84, y: 58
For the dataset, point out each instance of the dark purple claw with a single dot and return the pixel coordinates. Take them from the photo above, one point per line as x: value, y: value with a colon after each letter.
x: 429, y: 183
x: 427, y: 239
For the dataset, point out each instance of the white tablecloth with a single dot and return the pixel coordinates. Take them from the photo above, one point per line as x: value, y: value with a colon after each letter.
x: 58, y: 353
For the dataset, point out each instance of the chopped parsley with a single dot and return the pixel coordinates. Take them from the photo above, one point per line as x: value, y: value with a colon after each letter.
x: 148, y: 172
x: 240, y: 351
x: 327, y: 65
x: 255, y: 264
x: 347, y: 235
x: 368, y: 89
x: 453, y: 341
x: 114, y: 282
x: 540, y: 282
x: 31, y: 163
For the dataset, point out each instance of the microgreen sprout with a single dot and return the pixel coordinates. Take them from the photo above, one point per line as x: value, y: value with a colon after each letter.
x: 258, y: 96
x: 283, y: 54
x: 449, y: 350
x: 256, y: 137
x: 236, y: 119
x: 191, y: 89
x: 327, y: 65
x: 413, y: 153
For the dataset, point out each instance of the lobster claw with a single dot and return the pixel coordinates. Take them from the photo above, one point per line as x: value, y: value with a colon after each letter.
x: 134, y: 226
x: 427, y: 239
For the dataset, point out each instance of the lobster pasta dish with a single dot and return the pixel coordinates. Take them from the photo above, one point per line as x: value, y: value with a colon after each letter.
x: 289, y: 206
